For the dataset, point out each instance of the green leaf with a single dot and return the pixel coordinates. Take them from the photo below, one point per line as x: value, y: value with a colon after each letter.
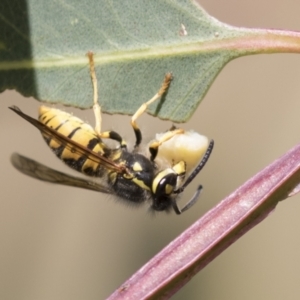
x: 43, y: 46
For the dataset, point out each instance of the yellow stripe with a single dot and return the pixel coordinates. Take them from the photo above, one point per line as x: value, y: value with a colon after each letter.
x: 141, y: 184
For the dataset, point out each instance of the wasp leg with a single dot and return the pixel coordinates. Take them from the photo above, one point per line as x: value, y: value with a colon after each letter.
x: 97, y: 108
x: 144, y: 106
x: 153, y: 147
x: 114, y: 136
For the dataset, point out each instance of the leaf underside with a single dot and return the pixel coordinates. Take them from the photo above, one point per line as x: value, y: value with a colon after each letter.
x: 43, y: 46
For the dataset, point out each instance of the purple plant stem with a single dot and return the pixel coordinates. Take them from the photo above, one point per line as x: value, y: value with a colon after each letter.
x: 177, y: 263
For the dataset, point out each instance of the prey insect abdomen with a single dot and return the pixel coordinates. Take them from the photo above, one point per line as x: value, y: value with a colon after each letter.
x: 76, y: 130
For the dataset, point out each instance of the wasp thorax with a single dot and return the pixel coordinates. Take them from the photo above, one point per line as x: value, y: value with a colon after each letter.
x: 141, y: 169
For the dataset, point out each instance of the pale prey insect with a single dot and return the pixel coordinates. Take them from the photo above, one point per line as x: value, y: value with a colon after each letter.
x: 131, y: 176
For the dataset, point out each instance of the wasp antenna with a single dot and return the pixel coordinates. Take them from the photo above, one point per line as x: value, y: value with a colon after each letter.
x: 176, y: 208
x: 190, y: 203
x: 198, y: 168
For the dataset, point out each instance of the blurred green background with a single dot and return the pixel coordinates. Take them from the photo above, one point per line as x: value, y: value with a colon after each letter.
x: 66, y: 243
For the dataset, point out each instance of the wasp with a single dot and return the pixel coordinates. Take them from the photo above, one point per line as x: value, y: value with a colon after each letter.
x: 130, y: 175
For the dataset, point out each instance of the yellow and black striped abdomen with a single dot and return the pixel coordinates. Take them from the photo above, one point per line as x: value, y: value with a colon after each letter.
x: 76, y: 130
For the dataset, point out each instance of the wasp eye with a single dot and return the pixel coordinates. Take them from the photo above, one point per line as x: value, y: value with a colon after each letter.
x: 164, y: 185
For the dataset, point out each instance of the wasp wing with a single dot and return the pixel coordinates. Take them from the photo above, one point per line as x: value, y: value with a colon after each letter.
x: 39, y: 171
x: 69, y: 143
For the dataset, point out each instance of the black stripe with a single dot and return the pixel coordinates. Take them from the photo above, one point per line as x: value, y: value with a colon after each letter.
x: 44, y: 115
x: 47, y: 140
x: 92, y: 143
x: 73, y: 132
x: 59, y: 150
x: 90, y: 171
x: 49, y: 120
x: 75, y: 164
x: 61, y: 124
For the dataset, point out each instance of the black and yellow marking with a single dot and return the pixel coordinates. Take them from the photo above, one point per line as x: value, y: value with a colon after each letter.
x: 131, y: 176
x: 76, y: 148
x: 77, y: 131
